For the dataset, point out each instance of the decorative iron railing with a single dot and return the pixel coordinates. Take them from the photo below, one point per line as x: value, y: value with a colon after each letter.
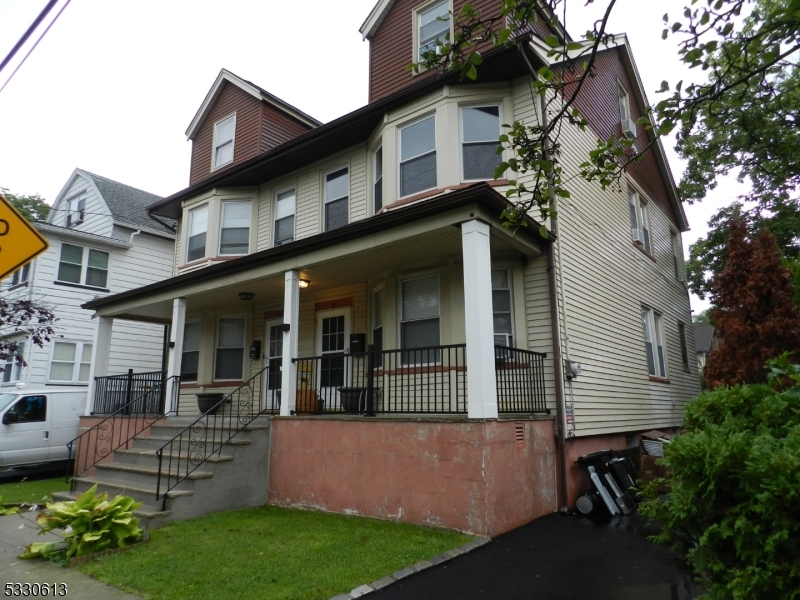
x: 206, y: 436
x: 115, y: 391
x: 520, y: 380
x: 119, y: 428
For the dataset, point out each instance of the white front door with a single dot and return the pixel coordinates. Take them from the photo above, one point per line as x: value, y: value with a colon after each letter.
x: 274, y: 360
x: 333, y: 341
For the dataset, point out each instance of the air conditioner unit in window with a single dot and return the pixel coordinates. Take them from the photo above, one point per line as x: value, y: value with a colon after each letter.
x: 637, y: 235
x: 629, y: 128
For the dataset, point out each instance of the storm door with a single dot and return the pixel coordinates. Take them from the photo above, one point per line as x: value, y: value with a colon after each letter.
x: 333, y: 337
x: 274, y: 360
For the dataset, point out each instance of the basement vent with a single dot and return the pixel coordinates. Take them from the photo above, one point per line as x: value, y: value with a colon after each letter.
x: 519, y: 434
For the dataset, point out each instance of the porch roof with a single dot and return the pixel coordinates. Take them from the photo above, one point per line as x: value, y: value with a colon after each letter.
x: 449, y: 208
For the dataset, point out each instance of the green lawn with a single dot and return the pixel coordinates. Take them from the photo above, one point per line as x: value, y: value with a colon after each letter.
x: 269, y: 552
x: 37, y: 492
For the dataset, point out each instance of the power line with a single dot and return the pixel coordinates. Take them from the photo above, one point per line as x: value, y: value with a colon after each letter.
x: 28, y: 33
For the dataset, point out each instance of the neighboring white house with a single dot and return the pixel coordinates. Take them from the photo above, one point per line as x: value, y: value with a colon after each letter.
x: 102, y: 242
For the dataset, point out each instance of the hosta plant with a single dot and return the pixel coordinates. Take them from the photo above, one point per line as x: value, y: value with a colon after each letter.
x: 92, y: 523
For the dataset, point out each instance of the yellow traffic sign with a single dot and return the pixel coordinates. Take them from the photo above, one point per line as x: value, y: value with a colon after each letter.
x: 20, y: 242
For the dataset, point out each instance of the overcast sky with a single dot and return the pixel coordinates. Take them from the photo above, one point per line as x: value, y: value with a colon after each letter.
x: 114, y: 84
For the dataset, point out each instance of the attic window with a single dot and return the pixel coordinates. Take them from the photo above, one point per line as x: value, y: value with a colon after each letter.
x: 77, y: 208
x: 224, y: 132
x: 627, y: 122
x: 433, y: 23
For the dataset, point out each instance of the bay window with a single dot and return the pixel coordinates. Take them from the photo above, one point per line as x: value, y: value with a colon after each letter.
x: 337, y: 193
x: 234, y: 235
x: 418, y: 156
x: 480, y: 127
x: 377, y: 185
x: 284, y: 216
x: 198, y: 228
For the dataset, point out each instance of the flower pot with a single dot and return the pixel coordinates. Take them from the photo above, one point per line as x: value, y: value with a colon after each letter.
x: 307, y: 402
x: 207, y: 402
x: 352, y: 398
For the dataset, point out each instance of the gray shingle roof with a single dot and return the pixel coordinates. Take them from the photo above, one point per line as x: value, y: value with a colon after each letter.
x: 703, y: 334
x: 127, y: 204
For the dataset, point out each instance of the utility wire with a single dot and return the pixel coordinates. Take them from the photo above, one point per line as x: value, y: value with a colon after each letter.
x: 27, y: 33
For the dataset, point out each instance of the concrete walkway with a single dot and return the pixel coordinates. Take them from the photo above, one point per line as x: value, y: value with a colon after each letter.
x: 16, y: 532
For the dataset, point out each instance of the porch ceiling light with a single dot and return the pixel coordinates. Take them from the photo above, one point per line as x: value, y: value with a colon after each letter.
x: 303, y: 283
x: 246, y: 296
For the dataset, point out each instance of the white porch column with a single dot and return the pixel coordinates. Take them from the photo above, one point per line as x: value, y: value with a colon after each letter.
x: 175, y: 347
x: 481, y: 383
x: 101, y: 348
x: 291, y: 318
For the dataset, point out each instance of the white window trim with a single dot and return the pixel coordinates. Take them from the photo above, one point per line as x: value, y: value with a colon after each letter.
x: 400, y: 320
x: 461, y: 107
x: 216, y: 347
x: 377, y: 147
x: 222, y: 225
x: 642, y: 220
x: 191, y: 210
x: 399, y: 156
x: 79, y: 210
x: 215, y: 166
x: 416, y: 12
x: 76, y: 369
x: 677, y: 253
x: 199, y: 364
x: 656, y: 328
x: 687, y: 366
x: 16, y: 368
x: 85, y: 266
x: 510, y: 274
x: 274, y: 213
x: 324, y: 195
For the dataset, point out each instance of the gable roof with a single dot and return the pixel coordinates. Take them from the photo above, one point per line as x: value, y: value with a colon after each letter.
x: 703, y: 336
x: 257, y: 92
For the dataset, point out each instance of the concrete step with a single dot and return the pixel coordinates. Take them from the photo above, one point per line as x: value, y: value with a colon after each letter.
x: 139, y: 492
x: 217, y: 422
x: 147, y: 475
x: 149, y: 516
x: 145, y: 457
x: 154, y: 442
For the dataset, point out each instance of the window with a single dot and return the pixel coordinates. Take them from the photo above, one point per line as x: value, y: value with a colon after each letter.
x: 377, y: 325
x: 480, y: 133
x: 21, y: 275
x: 684, y: 349
x: 640, y: 221
x: 624, y: 105
x: 378, y: 184
x: 284, y: 217
x: 31, y: 409
x: 419, y: 322
x: 234, y: 235
x: 501, y: 308
x: 12, y: 369
x: 190, y: 357
x: 676, y: 255
x: 198, y: 226
x: 76, y: 211
x: 337, y: 191
x: 224, y: 132
x: 71, y: 362
x: 418, y: 156
x: 432, y: 24
x: 653, y: 342
x: 89, y: 267
x: 230, y: 349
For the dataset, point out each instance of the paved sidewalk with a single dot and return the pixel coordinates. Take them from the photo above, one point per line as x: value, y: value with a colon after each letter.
x: 16, y: 532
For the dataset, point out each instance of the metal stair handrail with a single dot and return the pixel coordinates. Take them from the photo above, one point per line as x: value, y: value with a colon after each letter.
x: 105, y: 431
x: 206, y: 436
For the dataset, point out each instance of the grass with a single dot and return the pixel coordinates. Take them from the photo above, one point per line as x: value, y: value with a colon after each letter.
x: 267, y: 553
x: 33, y: 492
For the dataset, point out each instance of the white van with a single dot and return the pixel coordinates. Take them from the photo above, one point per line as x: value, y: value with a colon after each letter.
x: 37, y: 424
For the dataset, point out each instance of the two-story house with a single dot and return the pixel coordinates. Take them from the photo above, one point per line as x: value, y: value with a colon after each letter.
x: 102, y: 242
x: 361, y: 266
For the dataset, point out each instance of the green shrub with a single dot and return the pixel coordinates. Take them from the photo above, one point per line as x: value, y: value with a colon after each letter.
x: 734, y: 474
x: 92, y: 523
x: 7, y: 510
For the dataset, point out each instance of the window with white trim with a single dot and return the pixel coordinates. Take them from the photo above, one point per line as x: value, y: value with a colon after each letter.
x: 480, y: 130
x: 377, y: 325
x: 234, y: 233
x: 229, y: 356
x: 433, y: 24
x: 198, y: 229
x: 624, y: 105
x: 284, y: 216
x: 419, y: 319
x: 677, y: 254
x: 654, y: 343
x: 377, y: 184
x: 501, y: 308
x: 224, y: 134
x: 190, y: 355
x: 684, y: 348
x: 76, y: 211
x: 21, y: 275
x: 418, y: 156
x: 70, y: 362
x: 83, y: 266
x: 12, y: 368
x: 337, y: 193
x: 640, y: 220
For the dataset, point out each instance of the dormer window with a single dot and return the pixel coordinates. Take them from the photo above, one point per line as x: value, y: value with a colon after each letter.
x: 433, y: 23
x: 77, y: 208
x: 224, y: 132
x: 480, y: 134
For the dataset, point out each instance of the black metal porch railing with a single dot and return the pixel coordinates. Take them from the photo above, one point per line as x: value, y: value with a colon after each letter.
x: 520, y: 380
x: 119, y: 428
x: 206, y: 436
x: 115, y: 391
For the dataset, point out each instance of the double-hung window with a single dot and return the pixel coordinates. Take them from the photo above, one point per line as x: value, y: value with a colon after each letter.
x: 76, y: 211
x: 234, y: 235
x: 337, y: 193
x: 198, y: 227
x: 654, y: 343
x: 377, y: 325
x: 21, y: 275
x: 377, y: 185
x: 419, y: 322
x: 229, y: 364
x: 284, y: 216
x: 433, y: 24
x: 12, y: 368
x: 640, y: 220
x: 501, y: 308
x: 418, y: 156
x: 676, y: 254
x: 224, y: 133
x: 190, y: 356
x: 480, y: 132
x: 83, y: 266
x: 71, y: 362
x: 684, y: 349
